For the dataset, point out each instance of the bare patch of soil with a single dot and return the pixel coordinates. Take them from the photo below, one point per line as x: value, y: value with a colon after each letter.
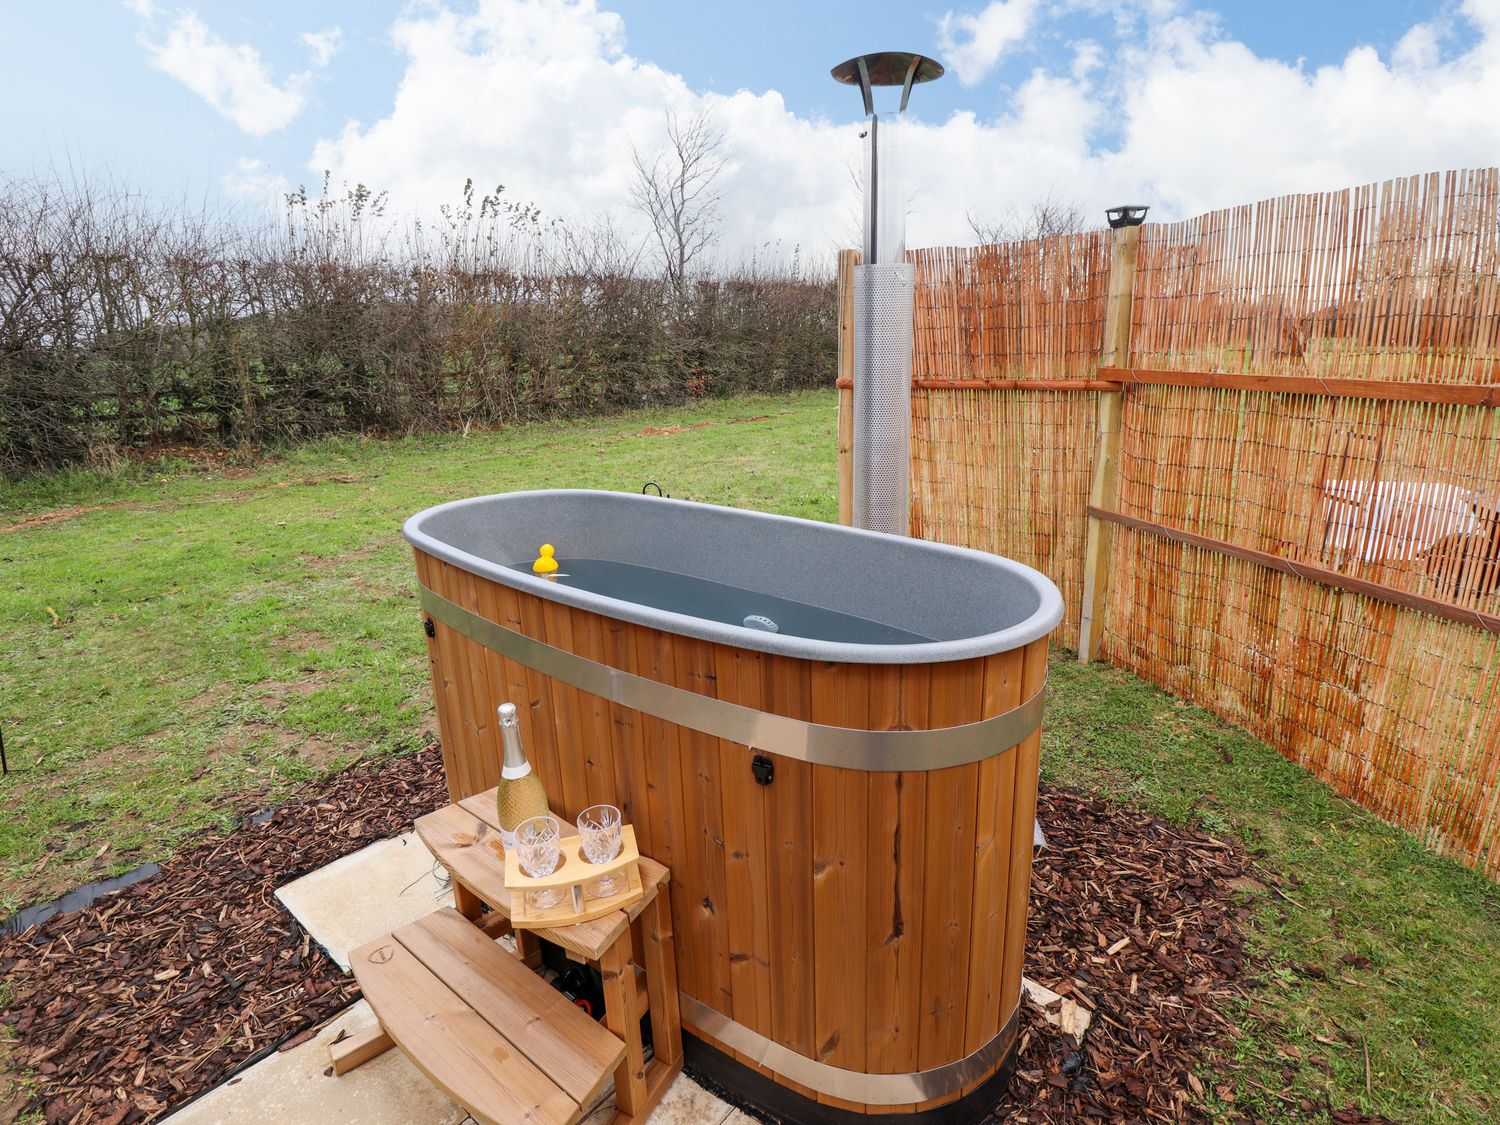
x: 276, y: 694
x: 304, y: 641
x: 663, y: 431
x: 57, y: 516
x: 321, y: 564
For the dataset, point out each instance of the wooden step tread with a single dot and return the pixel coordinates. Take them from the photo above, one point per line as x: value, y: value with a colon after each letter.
x: 497, y: 1039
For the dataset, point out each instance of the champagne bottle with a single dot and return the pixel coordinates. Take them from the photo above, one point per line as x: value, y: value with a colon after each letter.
x: 520, y: 795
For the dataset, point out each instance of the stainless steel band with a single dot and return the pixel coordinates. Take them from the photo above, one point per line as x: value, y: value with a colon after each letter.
x: 874, y: 750
x: 851, y: 1085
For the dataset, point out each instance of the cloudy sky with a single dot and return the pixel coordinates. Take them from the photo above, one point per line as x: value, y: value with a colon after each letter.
x: 1183, y: 106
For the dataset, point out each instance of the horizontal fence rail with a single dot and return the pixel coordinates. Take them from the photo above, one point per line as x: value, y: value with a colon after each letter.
x: 1487, y: 621
x: 1005, y: 384
x: 1117, y: 378
x: 1259, y: 453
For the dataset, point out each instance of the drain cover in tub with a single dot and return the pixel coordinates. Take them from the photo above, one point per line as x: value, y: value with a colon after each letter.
x: 756, y: 621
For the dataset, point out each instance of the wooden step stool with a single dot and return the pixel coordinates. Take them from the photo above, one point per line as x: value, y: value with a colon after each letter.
x: 633, y: 948
x: 488, y: 1031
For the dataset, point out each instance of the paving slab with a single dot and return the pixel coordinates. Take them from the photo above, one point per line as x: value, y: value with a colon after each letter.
x: 343, y: 905
x: 296, y: 1087
x: 365, y: 894
x: 684, y: 1103
x: 291, y: 1088
x: 687, y: 1103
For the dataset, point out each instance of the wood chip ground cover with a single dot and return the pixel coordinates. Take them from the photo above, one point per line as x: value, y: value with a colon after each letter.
x: 161, y: 991
x: 158, y: 993
x: 1139, y: 922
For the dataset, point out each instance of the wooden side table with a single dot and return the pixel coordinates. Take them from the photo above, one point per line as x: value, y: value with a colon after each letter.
x: 632, y: 948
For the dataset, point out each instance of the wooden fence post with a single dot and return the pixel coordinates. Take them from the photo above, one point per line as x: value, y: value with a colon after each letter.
x: 848, y: 259
x: 1105, y: 487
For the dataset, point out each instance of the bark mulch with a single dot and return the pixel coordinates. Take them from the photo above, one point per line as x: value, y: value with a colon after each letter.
x: 1136, y: 921
x: 162, y: 990
x: 1140, y: 923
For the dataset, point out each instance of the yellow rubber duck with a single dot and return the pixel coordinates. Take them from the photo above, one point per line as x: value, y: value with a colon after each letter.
x: 545, y: 564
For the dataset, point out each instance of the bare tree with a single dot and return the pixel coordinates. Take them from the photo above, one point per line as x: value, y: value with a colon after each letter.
x: 677, y: 189
x: 1045, y: 218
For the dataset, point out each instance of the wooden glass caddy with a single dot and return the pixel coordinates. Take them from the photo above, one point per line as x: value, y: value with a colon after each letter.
x: 573, y: 872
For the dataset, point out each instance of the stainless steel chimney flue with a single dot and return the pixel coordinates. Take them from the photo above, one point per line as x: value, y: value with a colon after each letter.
x: 883, y: 294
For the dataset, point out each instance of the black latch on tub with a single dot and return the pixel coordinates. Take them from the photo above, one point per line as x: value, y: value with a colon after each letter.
x: 428, y: 627
x: 763, y: 768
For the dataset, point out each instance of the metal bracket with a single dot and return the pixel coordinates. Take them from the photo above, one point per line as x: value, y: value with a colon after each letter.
x: 911, y: 74
x: 864, y: 85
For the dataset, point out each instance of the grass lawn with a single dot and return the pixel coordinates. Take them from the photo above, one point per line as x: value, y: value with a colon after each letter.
x: 179, y: 648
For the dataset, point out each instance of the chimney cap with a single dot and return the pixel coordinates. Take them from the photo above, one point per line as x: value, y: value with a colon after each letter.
x: 886, y: 68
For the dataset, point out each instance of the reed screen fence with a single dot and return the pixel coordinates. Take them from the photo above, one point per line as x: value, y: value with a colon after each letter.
x: 1296, y: 521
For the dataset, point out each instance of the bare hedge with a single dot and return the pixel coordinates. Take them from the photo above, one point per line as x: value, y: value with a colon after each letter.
x: 124, y: 327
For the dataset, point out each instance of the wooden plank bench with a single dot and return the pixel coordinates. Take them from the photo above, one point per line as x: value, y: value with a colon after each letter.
x: 492, y: 1034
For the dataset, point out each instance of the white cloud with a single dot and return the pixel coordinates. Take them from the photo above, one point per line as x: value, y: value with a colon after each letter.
x: 1419, y: 48
x: 1209, y: 123
x: 253, y: 182
x: 323, y: 44
x: 232, y: 78
x: 539, y: 95
x: 542, y: 96
x: 973, y: 44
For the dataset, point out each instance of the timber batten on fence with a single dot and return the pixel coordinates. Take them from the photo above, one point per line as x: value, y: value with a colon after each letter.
x: 1104, y: 487
x: 848, y: 259
x: 1380, y: 592
x: 1482, y: 394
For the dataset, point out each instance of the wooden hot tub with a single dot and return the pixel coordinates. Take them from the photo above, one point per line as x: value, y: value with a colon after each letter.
x: 848, y: 821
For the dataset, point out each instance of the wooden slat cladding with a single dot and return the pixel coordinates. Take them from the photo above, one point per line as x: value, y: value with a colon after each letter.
x: 1007, y: 472
x: 1394, y: 708
x: 897, y: 851
x: 1397, y: 280
x: 857, y: 918
x: 1030, y: 310
x: 1310, y: 389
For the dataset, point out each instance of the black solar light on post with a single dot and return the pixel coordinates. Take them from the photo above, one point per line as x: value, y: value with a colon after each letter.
x: 883, y: 291
x: 1126, y: 215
